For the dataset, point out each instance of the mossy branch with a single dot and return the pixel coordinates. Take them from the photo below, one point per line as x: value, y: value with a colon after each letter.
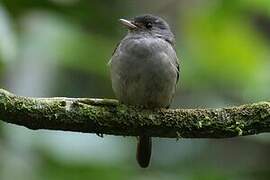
x: 104, y: 116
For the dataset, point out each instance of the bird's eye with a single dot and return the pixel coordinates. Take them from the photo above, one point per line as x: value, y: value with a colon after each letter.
x: 149, y: 25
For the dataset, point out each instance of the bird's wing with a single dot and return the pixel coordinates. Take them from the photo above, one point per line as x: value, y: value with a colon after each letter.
x: 175, y: 59
x: 178, y: 68
x: 175, y: 63
x: 115, y: 48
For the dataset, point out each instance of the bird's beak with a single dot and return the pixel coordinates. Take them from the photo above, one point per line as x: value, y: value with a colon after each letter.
x: 128, y: 24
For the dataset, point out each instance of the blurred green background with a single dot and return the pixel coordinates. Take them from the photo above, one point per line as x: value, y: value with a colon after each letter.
x: 61, y: 47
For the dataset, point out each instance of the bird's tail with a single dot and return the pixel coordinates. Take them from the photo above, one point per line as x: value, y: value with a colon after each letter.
x: 144, y: 148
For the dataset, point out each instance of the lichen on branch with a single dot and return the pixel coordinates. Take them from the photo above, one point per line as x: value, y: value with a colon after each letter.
x: 107, y: 116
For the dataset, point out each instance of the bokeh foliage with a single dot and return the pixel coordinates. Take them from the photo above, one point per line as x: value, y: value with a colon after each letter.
x: 61, y: 48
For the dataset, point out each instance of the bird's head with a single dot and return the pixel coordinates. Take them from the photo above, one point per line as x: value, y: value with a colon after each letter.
x: 149, y: 24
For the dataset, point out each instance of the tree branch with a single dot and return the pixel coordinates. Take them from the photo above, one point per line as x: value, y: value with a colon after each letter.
x: 105, y: 116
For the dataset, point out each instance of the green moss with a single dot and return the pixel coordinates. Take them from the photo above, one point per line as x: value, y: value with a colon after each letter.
x: 108, y: 117
x: 239, y: 130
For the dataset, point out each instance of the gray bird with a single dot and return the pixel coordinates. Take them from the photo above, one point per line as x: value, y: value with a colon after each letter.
x: 144, y: 70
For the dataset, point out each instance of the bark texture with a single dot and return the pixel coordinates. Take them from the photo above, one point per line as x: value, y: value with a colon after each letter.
x: 106, y: 116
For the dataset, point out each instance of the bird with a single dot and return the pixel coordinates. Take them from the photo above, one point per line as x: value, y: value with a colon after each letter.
x: 144, y: 70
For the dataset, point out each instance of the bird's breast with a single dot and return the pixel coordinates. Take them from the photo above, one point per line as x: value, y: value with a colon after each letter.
x: 141, y: 48
x: 142, y: 72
